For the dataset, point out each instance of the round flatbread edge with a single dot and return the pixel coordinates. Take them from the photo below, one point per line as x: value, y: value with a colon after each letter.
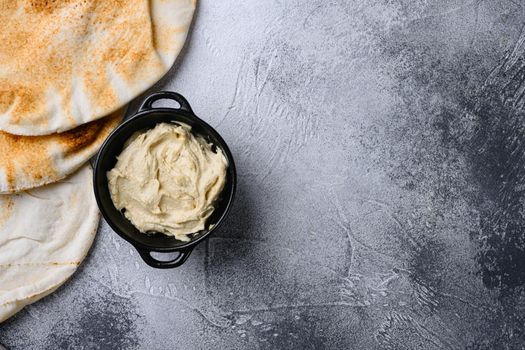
x: 47, y: 274
x: 33, y: 161
x: 95, y: 56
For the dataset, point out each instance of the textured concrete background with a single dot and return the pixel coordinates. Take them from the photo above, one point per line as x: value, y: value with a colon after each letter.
x: 380, y: 151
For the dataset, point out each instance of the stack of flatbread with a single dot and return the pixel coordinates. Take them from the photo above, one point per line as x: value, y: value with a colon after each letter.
x: 67, y: 70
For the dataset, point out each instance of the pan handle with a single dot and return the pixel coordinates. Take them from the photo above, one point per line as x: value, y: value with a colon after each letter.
x: 178, y: 261
x: 168, y: 95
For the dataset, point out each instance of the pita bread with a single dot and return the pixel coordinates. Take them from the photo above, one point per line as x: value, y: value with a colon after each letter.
x: 31, y: 161
x: 44, y: 236
x: 66, y: 63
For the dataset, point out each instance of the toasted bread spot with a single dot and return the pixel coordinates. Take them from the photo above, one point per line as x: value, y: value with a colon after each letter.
x: 29, y: 157
x: 7, y: 99
x: 18, y: 100
x: 29, y: 152
x: 47, y: 6
x: 6, y: 208
x: 79, y: 138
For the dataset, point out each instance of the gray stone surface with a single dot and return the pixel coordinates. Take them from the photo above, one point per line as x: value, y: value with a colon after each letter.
x: 380, y: 151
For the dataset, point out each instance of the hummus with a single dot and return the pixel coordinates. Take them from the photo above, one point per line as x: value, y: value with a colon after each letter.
x: 167, y: 180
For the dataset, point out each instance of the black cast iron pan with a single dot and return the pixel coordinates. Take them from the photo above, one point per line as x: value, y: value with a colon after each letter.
x: 147, y: 118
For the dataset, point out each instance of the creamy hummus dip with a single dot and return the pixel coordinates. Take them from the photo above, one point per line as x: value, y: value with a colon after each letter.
x: 167, y: 180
